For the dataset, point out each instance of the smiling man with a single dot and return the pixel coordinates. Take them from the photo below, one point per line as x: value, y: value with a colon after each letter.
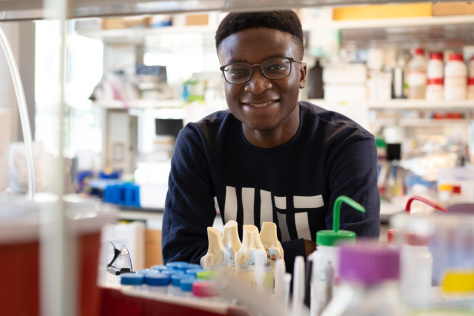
x: 269, y: 158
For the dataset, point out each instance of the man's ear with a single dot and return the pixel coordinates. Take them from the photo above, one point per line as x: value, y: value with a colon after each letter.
x: 303, y: 70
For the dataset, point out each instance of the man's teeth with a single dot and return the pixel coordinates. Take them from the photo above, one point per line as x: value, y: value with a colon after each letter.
x: 261, y: 105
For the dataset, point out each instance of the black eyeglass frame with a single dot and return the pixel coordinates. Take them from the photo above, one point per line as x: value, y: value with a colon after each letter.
x: 291, y: 60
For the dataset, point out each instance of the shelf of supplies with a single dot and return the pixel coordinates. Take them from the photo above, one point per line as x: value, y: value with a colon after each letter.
x: 401, y: 104
x: 140, y: 104
x: 139, y: 34
x: 418, y: 122
x: 392, y: 22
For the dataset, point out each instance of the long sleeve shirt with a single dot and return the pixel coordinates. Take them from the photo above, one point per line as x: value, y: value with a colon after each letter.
x: 293, y: 185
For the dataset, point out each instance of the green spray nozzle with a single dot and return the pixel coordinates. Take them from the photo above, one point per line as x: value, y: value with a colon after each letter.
x: 332, y: 237
x: 337, y: 210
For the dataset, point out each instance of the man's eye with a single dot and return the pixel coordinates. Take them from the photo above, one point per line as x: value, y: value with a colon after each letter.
x: 275, y: 67
x: 238, y: 71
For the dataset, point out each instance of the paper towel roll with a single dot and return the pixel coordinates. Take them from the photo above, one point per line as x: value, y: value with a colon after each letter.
x: 4, y: 130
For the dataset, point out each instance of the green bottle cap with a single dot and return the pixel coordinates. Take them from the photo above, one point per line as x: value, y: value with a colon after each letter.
x: 335, y: 236
x: 206, y: 275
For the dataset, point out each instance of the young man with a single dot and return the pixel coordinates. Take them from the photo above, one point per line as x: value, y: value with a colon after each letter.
x: 269, y: 157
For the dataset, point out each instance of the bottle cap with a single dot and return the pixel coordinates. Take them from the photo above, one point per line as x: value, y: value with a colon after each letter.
x: 205, y: 289
x: 142, y: 271
x: 176, y: 278
x: 368, y: 263
x: 391, y: 235
x: 131, y: 279
x: 193, y: 272
x: 458, y: 282
x: 436, y: 55
x: 414, y: 239
x: 157, y: 279
x: 179, y: 265
x: 456, y: 56
x: 470, y: 81
x: 206, y: 275
x: 419, y: 51
x: 159, y: 267
x: 171, y: 271
x: 194, y: 266
x: 335, y: 236
x: 187, y: 284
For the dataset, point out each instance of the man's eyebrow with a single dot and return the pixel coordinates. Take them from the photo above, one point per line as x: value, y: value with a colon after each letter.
x: 231, y: 61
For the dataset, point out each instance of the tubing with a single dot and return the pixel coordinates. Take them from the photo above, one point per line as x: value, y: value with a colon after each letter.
x: 25, y: 121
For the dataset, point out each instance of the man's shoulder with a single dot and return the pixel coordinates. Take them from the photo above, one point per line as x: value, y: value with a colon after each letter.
x: 330, y: 120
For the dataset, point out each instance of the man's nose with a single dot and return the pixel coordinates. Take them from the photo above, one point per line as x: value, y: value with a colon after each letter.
x: 258, y: 83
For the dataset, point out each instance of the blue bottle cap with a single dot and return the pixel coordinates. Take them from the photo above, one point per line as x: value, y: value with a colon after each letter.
x: 186, y: 284
x: 193, y: 271
x: 176, y: 278
x: 131, y: 279
x: 194, y: 266
x: 177, y: 265
x: 172, y: 271
x: 143, y: 271
x: 157, y: 279
x: 158, y: 267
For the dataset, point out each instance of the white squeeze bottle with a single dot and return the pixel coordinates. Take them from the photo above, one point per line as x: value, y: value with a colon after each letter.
x: 417, y: 80
x: 455, y: 78
x: 325, y: 258
x: 470, y: 80
x: 435, y: 74
x: 416, y: 266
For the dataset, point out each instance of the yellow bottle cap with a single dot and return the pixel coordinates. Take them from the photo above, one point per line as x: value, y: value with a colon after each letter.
x: 458, y: 281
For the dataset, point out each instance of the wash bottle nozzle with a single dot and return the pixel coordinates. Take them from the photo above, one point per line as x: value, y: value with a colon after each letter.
x: 334, y: 236
x: 426, y: 201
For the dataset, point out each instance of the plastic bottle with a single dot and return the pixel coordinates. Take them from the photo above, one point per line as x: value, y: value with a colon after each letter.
x: 455, y: 78
x: 399, y: 80
x: 416, y: 266
x: 315, y: 77
x: 435, y: 74
x: 470, y: 89
x: 417, y: 67
x: 471, y: 67
x: 325, y: 259
x: 369, y: 276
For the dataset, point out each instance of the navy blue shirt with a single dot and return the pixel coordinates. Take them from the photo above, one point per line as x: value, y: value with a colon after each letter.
x: 294, y: 184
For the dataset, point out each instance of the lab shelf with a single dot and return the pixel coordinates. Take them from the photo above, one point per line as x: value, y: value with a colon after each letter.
x: 403, y: 104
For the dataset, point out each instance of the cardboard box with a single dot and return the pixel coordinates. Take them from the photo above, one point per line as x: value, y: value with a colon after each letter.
x: 153, y: 248
x: 383, y: 11
x: 453, y: 8
x: 197, y: 19
x: 126, y: 22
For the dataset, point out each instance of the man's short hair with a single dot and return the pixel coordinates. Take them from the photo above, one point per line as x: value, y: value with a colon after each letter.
x: 285, y: 21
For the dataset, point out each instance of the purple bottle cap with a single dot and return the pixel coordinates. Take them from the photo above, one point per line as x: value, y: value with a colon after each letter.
x: 368, y: 262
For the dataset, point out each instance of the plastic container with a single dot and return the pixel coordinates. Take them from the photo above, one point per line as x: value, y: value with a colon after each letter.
x: 435, y: 75
x: 325, y: 258
x: 369, y: 276
x: 132, y: 280
x: 470, y: 89
x: 416, y: 76
x: 455, y: 78
x: 416, y: 266
x: 19, y: 248
x: 158, y: 282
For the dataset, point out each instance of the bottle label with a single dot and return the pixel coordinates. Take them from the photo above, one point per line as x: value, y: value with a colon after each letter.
x: 459, y: 81
x: 435, y: 81
x: 417, y: 78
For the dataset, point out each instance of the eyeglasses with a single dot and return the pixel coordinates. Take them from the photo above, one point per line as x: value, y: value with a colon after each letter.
x: 273, y: 68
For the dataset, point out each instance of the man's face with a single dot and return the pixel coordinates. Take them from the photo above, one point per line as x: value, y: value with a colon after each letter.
x: 263, y: 105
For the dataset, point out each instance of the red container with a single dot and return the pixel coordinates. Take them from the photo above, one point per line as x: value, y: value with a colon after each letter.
x: 20, y: 256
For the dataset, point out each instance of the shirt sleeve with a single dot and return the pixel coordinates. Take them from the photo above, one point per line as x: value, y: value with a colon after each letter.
x: 189, y: 206
x: 353, y: 173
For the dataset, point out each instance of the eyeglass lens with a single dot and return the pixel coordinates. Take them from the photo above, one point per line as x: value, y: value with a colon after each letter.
x: 274, y: 68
